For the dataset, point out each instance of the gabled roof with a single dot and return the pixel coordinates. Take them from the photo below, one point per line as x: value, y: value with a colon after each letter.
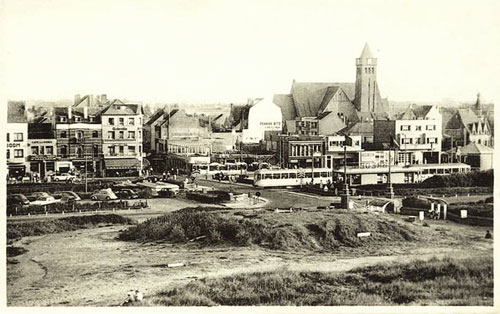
x: 359, y: 128
x: 475, y: 149
x: 414, y: 112
x: 16, y: 112
x: 468, y: 116
x: 285, y: 102
x: 309, y: 97
x: 122, y: 109
x: 167, y: 116
x: 366, y: 53
x: 155, y: 116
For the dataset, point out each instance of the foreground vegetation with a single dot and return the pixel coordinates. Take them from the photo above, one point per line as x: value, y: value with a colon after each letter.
x: 18, y: 230
x: 434, y: 282
x: 317, y: 231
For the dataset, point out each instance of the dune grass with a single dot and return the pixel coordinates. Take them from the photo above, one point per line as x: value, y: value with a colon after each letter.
x: 316, y: 231
x: 434, y: 282
x: 35, y: 228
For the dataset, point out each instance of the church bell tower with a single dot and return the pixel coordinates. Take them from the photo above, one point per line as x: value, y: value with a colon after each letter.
x: 366, y: 89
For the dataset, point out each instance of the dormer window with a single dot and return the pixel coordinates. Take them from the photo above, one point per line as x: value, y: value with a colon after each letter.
x: 62, y: 119
x: 77, y: 119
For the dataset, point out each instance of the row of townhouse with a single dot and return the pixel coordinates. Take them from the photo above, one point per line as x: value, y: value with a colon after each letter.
x: 102, y: 140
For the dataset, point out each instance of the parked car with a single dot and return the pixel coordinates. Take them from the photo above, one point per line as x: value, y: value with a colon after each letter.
x: 63, y: 177
x: 127, y: 194
x: 67, y: 196
x: 103, y: 195
x: 167, y: 193
x: 17, y: 199
x: 220, y: 176
x: 41, y: 198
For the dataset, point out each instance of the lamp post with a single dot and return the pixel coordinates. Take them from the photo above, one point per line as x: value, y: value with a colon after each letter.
x: 390, y: 190
x: 344, y: 197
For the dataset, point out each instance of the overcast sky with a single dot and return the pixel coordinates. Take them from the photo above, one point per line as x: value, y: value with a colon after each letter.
x: 209, y: 51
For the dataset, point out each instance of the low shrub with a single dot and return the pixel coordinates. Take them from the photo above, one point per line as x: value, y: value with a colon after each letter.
x: 415, y: 202
x: 271, y: 230
x: 470, y: 179
x: 36, y: 228
x: 15, y: 251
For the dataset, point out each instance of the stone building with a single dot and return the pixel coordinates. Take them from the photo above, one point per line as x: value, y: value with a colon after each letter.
x: 17, y: 139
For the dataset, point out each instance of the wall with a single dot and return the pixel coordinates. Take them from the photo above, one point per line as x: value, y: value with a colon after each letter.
x: 263, y: 116
x: 12, y: 145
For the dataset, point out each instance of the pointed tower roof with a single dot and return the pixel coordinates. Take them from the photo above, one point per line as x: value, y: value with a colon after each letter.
x: 366, y: 53
x: 478, y: 102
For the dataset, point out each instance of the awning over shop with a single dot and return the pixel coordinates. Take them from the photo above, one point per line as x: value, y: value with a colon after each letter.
x: 124, y: 163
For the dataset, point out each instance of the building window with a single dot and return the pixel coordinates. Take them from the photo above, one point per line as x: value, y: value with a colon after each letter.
x: 405, y: 128
x: 418, y: 127
x: 139, y: 134
x: 131, y: 134
x: 18, y: 137
x: 62, y: 119
x: 64, y: 151
x: 8, y: 137
x: 8, y: 153
x: 34, y: 150
x: 121, y: 121
x: 50, y: 150
x: 431, y: 140
x: 131, y: 150
x: 95, y: 134
x: 111, y: 121
x: 91, y: 119
x: 131, y: 121
x: 79, y: 134
x: 406, y: 140
x: 18, y: 153
x: 79, y: 152
x: 140, y: 149
x: 77, y: 119
x: 63, y: 134
x: 121, y: 149
x: 111, y: 150
x: 431, y: 127
x: 111, y: 135
x: 121, y: 134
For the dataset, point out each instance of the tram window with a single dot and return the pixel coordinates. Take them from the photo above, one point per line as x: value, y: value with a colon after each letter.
x: 317, y: 174
x: 308, y: 175
x: 324, y: 174
x: 268, y: 176
x: 447, y: 170
x: 454, y: 170
x: 293, y: 176
x: 259, y: 176
x: 284, y: 176
x: 426, y: 171
x: 432, y: 171
x: 440, y: 171
x: 276, y: 176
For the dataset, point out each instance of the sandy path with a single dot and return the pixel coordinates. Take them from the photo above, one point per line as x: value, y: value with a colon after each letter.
x: 91, y: 268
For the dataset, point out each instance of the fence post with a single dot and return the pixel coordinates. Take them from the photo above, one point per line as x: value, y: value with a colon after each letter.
x: 445, y: 209
x: 438, y: 210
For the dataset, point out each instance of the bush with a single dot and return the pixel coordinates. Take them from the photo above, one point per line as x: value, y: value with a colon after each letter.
x: 339, y: 230
x: 475, y: 178
x: 35, y: 228
x: 417, y: 202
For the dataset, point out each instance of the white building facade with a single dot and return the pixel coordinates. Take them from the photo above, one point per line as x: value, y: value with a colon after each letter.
x: 263, y: 116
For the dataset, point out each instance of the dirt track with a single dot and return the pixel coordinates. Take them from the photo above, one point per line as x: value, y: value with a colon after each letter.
x: 91, y: 268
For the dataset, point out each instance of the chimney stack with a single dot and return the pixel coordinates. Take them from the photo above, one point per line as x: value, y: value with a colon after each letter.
x: 70, y: 112
x: 85, y: 112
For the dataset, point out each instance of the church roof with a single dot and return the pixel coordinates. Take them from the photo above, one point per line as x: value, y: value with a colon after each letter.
x: 415, y: 112
x: 309, y: 97
x: 359, y: 128
x: 475, y: 149
x: 467, y: 116
x: 366, y: 53
x: 285, y: 102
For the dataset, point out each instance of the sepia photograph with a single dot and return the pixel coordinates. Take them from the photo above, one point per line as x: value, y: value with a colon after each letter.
x: 285, y: 156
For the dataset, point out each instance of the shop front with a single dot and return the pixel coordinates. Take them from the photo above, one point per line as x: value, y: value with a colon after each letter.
x: 43, y: 165
x: 16, y: 169
x: 122, y: 167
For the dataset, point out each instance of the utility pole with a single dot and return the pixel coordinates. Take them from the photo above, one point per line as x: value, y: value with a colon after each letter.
x: 344, y: 197
x: 390, y: 190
